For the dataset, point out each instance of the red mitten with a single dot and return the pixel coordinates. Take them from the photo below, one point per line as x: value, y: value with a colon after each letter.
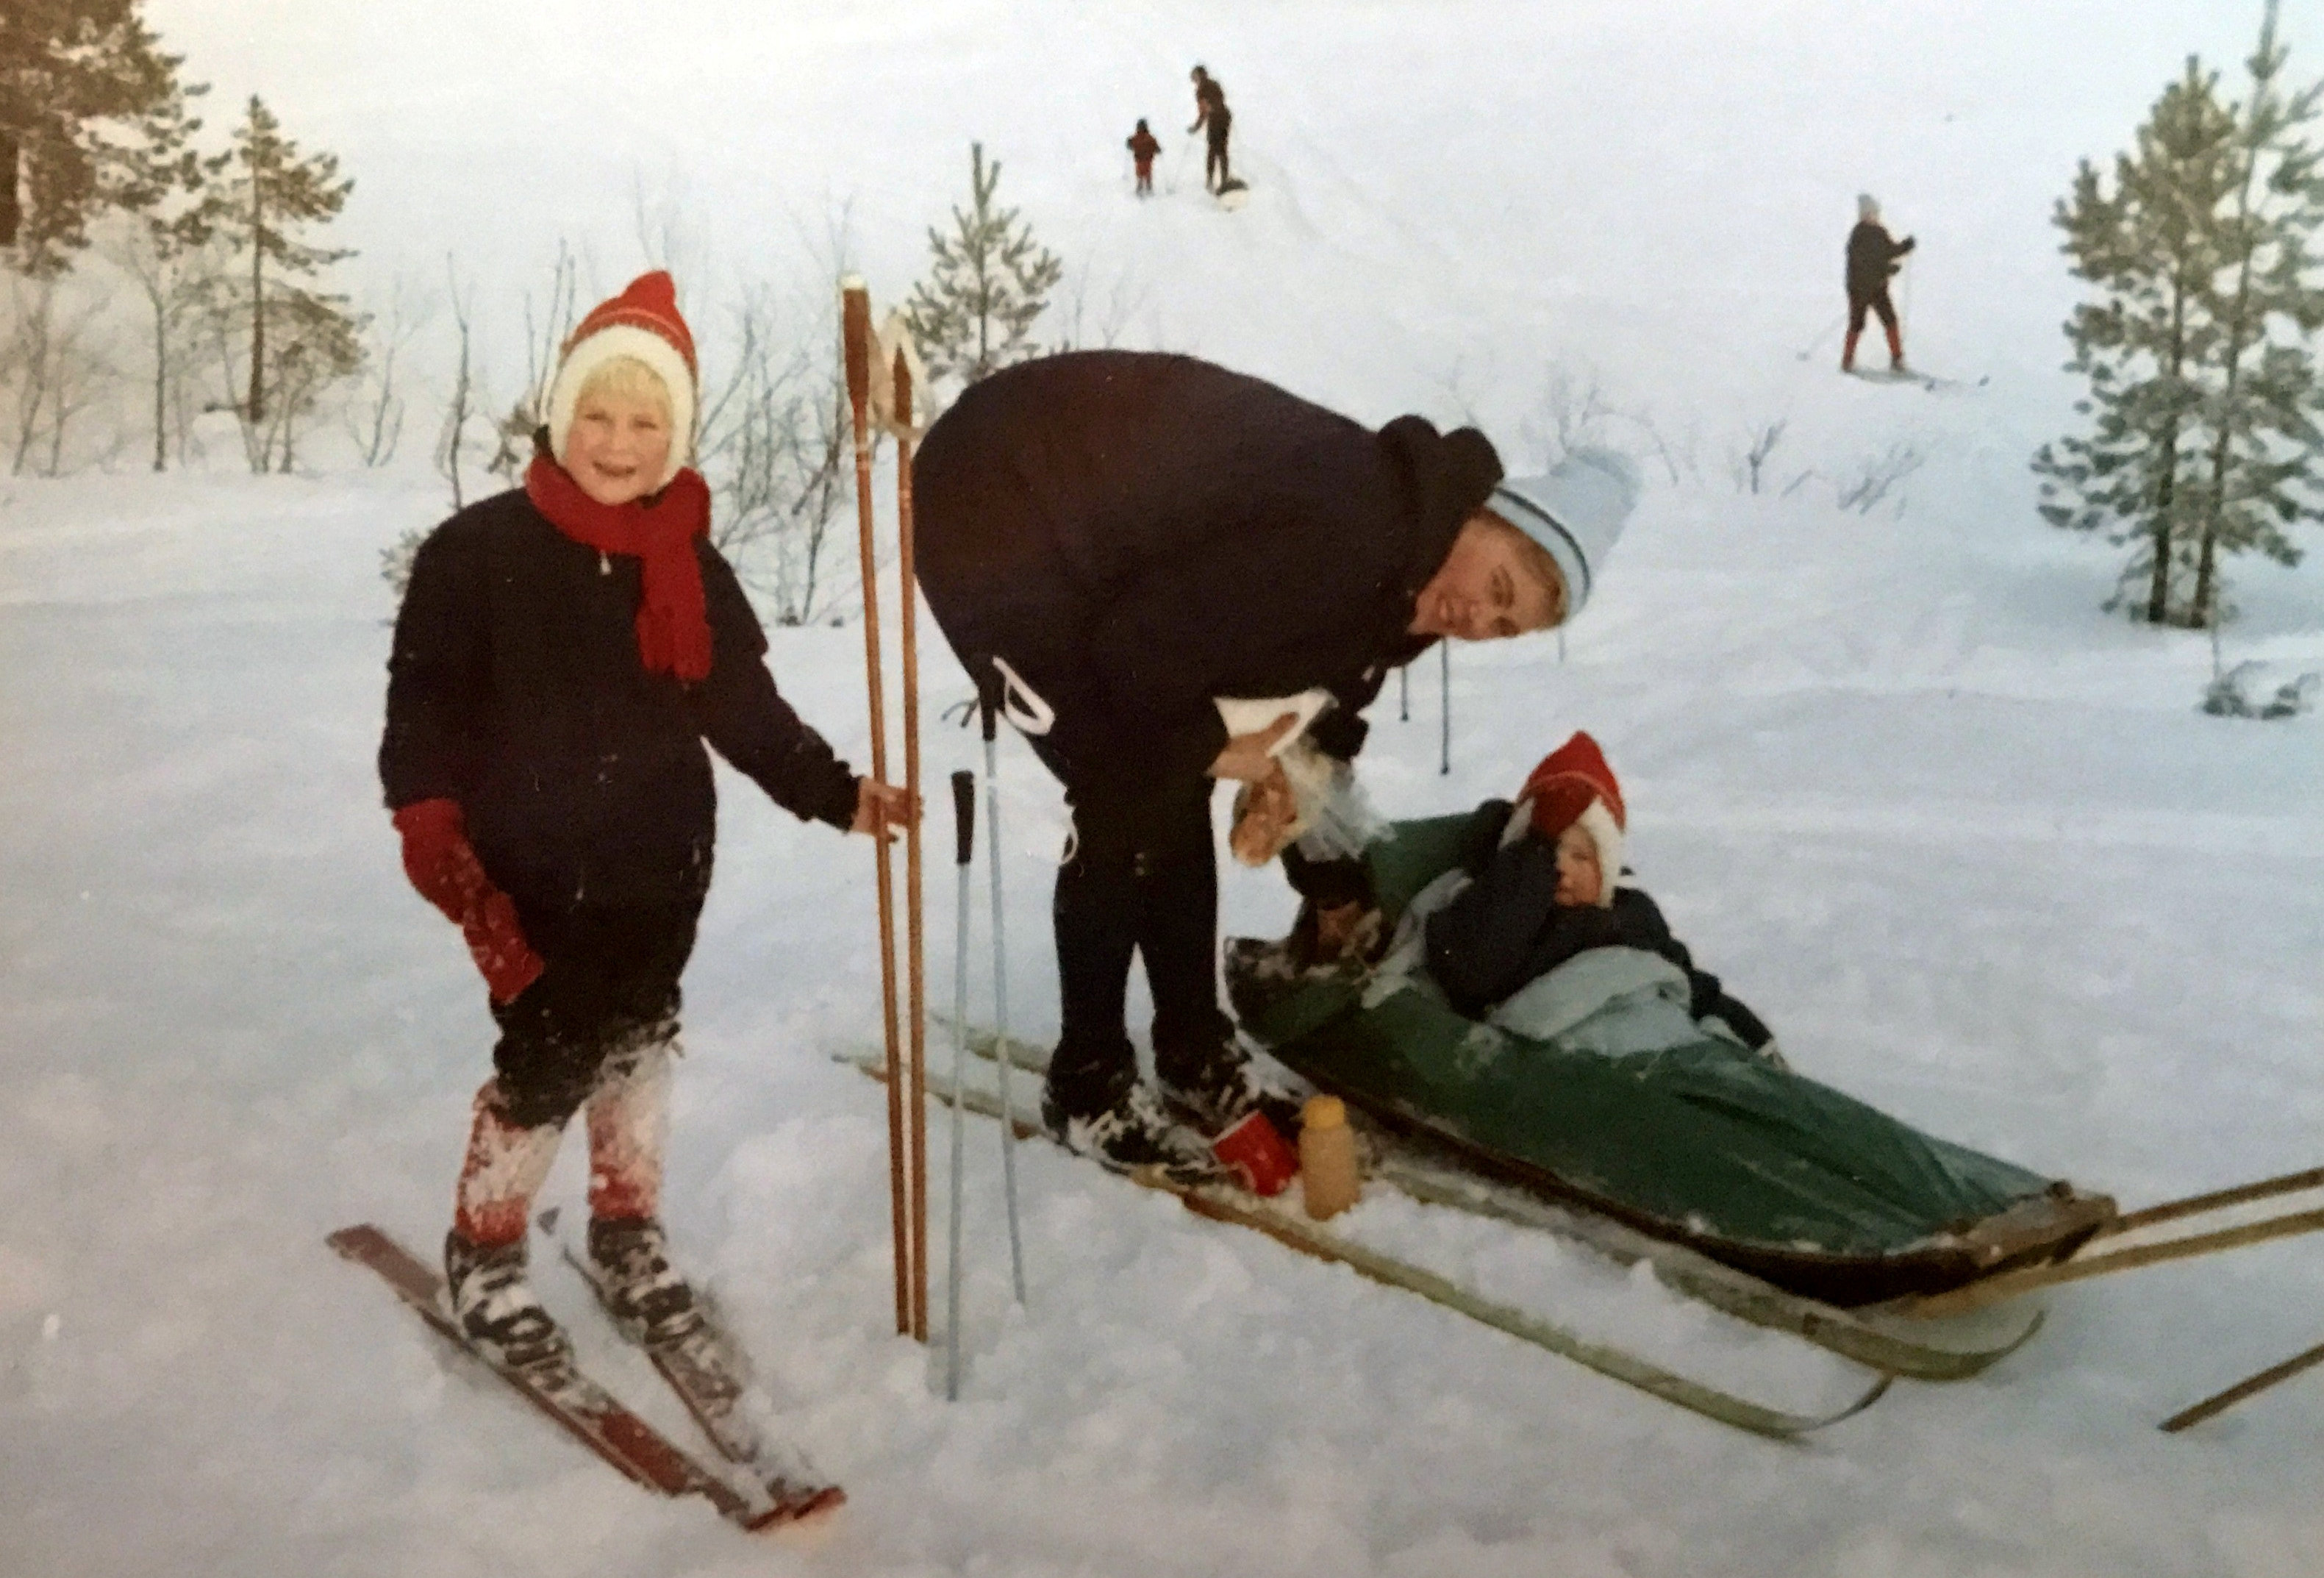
x: 443, y: 865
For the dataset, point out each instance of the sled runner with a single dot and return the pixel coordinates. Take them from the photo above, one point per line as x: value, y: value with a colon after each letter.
x: 1232, y: 1205
x: 1921, y: 1349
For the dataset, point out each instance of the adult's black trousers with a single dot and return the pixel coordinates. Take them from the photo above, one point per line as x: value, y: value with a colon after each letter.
x: 1142, y: 881
x: 1877, y: 304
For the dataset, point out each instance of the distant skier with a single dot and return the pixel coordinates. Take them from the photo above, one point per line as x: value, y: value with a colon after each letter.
x: 1214, y: 120
x: 1871, y: 261
x: 1127, y: 539
x: 1143, y: 147
x: 564, y: 651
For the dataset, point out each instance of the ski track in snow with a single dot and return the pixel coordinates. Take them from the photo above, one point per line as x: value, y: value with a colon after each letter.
x: 1962, y: 839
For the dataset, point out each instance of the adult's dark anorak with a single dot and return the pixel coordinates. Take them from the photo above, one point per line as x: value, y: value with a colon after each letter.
x: 1872, y: 255
x: 1137, y: 534
x: 515, y: 687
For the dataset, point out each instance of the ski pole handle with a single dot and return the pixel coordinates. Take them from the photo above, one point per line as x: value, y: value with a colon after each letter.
x: 963, y: 814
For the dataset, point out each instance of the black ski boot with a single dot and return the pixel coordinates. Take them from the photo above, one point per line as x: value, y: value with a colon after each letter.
x: 1213, y: 1085
x: 652, y: 1303
x: 497, y: 1308
x: 1133, y: 1134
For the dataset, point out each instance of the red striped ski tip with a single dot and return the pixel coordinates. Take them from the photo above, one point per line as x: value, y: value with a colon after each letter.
x: 812, y: 1509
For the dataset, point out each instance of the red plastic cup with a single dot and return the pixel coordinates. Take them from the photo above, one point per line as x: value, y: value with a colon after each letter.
x: 1260, y: 1155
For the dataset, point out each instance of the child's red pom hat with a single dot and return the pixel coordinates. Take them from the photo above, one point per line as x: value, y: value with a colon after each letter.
x: 1573, y: 785
x: 642, y: 323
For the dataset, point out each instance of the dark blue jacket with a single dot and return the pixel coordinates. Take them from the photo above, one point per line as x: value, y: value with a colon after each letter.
x: 1506, y: 929
x: 515, y: 687
x: 1872, y: 258
x: 1137, y: 534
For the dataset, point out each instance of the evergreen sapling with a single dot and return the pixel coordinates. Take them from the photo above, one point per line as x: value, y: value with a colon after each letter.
x: 2203, y: 395
x: 990, y: 278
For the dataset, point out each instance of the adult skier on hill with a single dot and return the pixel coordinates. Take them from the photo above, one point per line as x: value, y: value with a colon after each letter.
x: 1123, y: 539
x: 1215, y: 121
x: 563, y: 652
x: 1871, y: 261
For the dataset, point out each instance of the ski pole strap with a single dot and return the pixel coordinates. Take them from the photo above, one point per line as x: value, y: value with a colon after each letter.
x: 964, y: 813
x: 1021, y: 703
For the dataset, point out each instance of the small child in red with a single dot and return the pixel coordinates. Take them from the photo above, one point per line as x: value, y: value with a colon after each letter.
x: 1143, y: 147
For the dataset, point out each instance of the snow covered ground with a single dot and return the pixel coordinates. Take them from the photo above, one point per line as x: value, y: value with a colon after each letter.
x: 1962, y: 838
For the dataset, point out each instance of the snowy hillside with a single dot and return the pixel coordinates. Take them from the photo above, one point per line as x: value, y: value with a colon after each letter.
x: 1962, y: 838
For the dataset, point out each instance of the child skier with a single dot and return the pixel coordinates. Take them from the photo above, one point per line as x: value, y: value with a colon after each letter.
x: 1143, y: 147
x: 1545, y: 889
x: 563, y: 652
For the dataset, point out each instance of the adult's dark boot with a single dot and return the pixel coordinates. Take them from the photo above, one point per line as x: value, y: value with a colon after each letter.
x: 1120, y: 1124
x: 1212, y: 1085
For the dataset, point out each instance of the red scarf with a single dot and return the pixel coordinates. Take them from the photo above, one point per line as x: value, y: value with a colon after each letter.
x: 673, y: 619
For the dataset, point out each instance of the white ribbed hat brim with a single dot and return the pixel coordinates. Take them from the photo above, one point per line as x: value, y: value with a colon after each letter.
x: 1575, y: 511
x: 642, y: 345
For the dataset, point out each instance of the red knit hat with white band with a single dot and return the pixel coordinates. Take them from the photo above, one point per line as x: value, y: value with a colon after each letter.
x: 1574, y: 786
x: 641, y: 323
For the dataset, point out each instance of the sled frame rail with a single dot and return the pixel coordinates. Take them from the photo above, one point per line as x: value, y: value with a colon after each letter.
x: 2093, y: 1258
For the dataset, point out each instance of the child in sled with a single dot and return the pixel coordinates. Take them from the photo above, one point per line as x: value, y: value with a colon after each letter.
x: 563, y: 653
x: 1536, y: 888
x: 1546, y: 889
x: 1143, y: 147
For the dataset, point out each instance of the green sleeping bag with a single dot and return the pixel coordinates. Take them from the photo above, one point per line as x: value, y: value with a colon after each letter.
x: 1697, y: 1140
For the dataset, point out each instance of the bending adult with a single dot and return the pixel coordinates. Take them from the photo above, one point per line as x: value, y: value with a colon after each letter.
x: 1130, y: 537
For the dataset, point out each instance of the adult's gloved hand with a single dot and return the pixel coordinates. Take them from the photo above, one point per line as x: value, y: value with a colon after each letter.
x: 443, y: 865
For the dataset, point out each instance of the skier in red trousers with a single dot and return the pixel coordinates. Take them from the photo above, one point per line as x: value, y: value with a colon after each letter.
x: 1871, y: 261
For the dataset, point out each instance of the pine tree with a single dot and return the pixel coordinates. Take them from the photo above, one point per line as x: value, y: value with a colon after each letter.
x: 2267, y: 301
x: 75, y: 76
x: 988, y: 281
x: 299, y: 339
x: 2150, y: 246
x: 2203, y: 393
x: 165, y: 246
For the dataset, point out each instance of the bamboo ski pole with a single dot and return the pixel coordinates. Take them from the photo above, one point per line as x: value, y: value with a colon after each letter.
x: 964, y: 824
x: 915, y: 959
x: 856, y: 320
